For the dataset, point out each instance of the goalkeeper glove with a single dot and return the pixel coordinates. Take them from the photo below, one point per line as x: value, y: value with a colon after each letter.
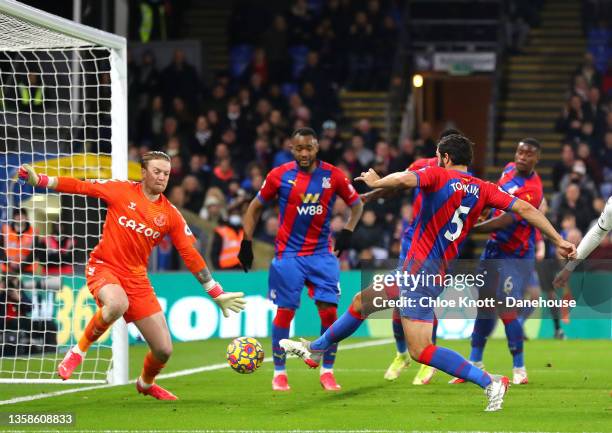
x: 226, y: 301
x: 245, y: 255
x: 343, y: 241
x: 27, y: 174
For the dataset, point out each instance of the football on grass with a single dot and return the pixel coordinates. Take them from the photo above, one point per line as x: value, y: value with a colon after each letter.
x: 245, y: 355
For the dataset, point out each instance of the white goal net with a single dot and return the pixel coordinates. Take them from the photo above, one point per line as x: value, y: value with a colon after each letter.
x: 63, y: 109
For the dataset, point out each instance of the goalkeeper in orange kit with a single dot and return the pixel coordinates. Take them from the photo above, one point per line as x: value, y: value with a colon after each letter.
x: 138, y: 218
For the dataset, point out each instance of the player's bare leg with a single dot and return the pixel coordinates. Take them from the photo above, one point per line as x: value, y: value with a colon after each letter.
x: 154, y: 330
x: 421, y: 348
x: 328, y: 314
x: 114, y: 304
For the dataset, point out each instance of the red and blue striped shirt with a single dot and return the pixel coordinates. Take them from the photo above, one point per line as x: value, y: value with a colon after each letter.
x: 451, y: 204
x: 519, y: 237
x: 306, y: 201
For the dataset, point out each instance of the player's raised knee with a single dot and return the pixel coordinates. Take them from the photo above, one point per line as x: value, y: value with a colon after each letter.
x: 356, y: 305
x: 163, y: 352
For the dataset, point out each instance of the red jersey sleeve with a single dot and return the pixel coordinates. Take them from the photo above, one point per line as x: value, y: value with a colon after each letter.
x: 422, y: 163
x: 344, y: 189
x: 496, y: 197
x: 270, y: 187
x: 184, y: 241
x: 428, y: 178
x: 104, y: 189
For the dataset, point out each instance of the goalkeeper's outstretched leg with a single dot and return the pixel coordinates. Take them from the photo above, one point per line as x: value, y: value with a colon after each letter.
x: 113, y: 303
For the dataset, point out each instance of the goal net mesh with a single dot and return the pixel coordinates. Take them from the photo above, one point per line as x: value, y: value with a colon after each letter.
x: 55, y: 113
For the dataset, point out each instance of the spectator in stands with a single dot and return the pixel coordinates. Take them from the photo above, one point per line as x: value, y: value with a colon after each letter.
x: 425, y: 142
x: 575, y: 203
x: 570, y: 121
x: 180, y: 79
x: 151, y: 123
x: 269, y: 231
x: 217, y: 100
x: 405, y: 156
x: 275, y: 42
x: 18, y: 244
x: 369, y: 133
x: 259, y: 65
x: 589, y: 74
x: 386, y: 42
x: 284, y: 154
x: 564, y: 166
x: 361, y: 59
x: 31, y: 93
x: 176, y: 195
x: 201, y: 141
x: 593, y: 111
x: 183, y: 116
x: 201, y: 169
x: 147, y: 80
x: 593, y: 167
x: 364, y: 154
x: 313, y: 72
x: 300, y: 23
x: 226, y: 242
x: 581, y: 88
x: 580, y: 177
x: 213, y: 209
x: 222, y: 174
x: 369, y: 237
x: 193, y: 193
x: 56, y: 252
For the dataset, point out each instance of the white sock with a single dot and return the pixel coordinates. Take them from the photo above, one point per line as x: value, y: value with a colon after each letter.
x: 143, y: 384
x: 280, y: 373
x: 324, y: 370
x: 76, y: 349
x: 403, y: 354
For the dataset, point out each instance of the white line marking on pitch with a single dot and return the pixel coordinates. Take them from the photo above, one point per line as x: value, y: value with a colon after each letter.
x: 179, y: 373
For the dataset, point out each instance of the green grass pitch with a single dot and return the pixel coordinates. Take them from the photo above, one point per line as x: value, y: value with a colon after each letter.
x: 569, y: 391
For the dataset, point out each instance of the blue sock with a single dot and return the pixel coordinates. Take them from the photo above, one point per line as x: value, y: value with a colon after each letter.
x: 454, y: 364
x: 398, y: 334
x: 329, y: 357
x: 342, y: 328
x: 280, y: 330
x: 328, y: 316
x: 524, y: 314
x: 514, y: 333
x: 482, y: 331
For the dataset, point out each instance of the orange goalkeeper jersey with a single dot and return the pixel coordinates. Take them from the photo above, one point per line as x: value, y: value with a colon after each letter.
x: 134, y: 225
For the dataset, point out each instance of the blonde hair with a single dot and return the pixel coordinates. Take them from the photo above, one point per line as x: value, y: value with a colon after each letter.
x: 151, y: 156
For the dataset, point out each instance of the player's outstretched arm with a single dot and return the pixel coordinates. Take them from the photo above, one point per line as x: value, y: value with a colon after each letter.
x: 226, y: 301
x: 28, y: 174
x: 379, y: 193
x: 401, y: 179
x: 591, y: 240
x: 538, y: 220
x: 249, y: 221
x: 494, y: 224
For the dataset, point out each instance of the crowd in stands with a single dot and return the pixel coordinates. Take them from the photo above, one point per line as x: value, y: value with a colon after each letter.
x: 582, y: 178
x: 224, y: 139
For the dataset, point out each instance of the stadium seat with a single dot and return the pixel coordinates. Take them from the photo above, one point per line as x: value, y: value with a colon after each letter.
x: 240, y: 57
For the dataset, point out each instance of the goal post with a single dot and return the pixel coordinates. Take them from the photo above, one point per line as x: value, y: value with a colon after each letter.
x: 63, y: 108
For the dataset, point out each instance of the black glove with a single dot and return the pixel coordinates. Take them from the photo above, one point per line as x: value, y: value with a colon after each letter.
x: 343, y: 241
x: 245, y: 255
